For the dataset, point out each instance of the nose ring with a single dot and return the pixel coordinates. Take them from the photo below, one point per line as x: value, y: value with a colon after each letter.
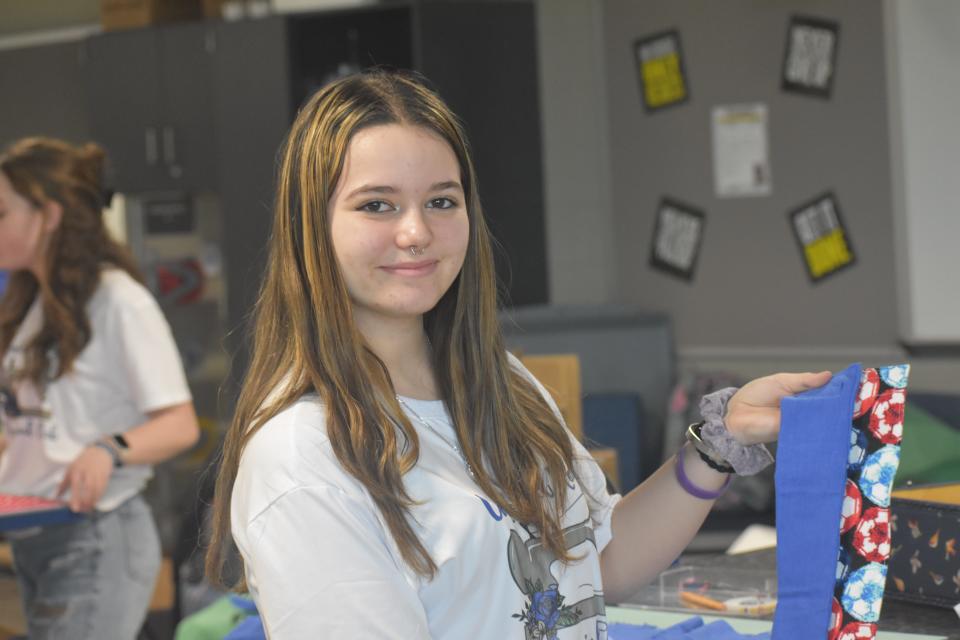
x: 415, y: 251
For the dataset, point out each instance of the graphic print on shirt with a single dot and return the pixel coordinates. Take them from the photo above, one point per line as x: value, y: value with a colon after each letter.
x: 22, y: 409
x: 546, y: 610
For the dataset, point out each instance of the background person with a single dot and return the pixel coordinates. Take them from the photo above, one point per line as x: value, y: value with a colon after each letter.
x: 97, y: 395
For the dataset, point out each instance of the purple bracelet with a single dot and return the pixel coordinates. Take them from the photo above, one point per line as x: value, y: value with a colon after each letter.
x: 693, y: 489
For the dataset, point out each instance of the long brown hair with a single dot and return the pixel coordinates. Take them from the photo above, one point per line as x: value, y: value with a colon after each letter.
x: 305, y: 339
x: 42, y: 170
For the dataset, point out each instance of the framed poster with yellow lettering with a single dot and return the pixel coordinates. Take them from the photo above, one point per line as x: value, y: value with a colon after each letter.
x: 663, y: 81
x: 823, y: 239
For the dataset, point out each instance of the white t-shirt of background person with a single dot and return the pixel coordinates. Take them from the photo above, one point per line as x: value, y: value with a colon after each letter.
x: 320, y: 561
x: 129, y: 367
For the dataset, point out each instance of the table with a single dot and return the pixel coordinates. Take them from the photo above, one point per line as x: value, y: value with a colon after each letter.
x: 895, y: 615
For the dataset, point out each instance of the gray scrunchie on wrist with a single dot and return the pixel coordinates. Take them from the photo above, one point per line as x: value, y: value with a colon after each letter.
x: 746, y: 459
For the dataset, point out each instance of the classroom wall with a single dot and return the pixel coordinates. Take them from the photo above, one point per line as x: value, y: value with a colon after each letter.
x: 751, y: 288
x: 606, y: 163
x: 751, y: 309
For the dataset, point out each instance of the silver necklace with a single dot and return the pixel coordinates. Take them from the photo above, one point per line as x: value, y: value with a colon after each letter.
x: 453, y: 445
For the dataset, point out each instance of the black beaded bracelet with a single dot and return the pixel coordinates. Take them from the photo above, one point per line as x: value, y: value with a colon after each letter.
x: 713, y: 464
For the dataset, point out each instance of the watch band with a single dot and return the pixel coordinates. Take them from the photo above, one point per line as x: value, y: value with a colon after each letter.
x: 117, y: 460
x: 707, y: 453
x: 120, y: 441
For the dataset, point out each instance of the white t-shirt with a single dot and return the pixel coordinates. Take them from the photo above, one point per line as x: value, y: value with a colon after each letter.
x: 321, y: 563
x: 129, y: 367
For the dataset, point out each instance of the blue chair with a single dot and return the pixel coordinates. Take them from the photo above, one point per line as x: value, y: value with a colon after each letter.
x: 617, y: 420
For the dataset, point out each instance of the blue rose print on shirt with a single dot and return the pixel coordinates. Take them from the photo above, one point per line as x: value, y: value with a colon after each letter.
x: 543, y: 612
x: 544, y: 606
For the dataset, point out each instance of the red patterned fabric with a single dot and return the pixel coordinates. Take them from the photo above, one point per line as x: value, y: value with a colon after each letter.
x: 865, y: 518
x: 867, y: 394
x: 872, y: 537
x: 886, y: 419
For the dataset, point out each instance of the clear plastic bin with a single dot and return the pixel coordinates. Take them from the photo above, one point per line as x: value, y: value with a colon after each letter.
x: 712, y: 590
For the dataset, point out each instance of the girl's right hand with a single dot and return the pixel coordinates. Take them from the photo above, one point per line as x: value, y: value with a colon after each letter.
x: 86, y: 479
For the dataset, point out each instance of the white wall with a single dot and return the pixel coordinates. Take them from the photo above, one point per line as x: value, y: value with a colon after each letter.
x: 923, y: 59
x: 575, y: 152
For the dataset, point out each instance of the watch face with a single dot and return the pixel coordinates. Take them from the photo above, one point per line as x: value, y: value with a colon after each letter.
x: 694, y: 431
x: 121, y: 441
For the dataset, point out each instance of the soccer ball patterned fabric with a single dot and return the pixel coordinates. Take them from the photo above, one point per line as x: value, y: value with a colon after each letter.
x: 865, y: 516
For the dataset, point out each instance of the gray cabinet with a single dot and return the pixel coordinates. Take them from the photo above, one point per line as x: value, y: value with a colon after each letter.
x: 149, y: 103
x: 43, y: 93
x: 252, y: 109
x: 188, y: 133
x: 482, y: 57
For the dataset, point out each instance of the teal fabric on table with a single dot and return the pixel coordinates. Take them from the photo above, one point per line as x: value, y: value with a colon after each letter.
x: 810, y: 476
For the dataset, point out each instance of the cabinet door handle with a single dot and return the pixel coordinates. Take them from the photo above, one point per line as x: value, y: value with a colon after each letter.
x: 150, y: 145
x: 169, y: 145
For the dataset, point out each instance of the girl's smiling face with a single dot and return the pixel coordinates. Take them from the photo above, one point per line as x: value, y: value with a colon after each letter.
x: 398, y: 221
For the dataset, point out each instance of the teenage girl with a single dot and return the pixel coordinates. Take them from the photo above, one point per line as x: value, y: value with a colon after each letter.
x: 391, y: 471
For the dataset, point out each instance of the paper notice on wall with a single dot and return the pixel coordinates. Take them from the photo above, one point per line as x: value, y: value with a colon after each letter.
x: 741, y: 166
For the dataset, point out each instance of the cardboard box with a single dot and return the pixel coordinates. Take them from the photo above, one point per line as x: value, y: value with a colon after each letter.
x: 213, y: 9
x: 164, y: 590
x: 560, y: 374
x: 131, y: 14
x: 924, y: 565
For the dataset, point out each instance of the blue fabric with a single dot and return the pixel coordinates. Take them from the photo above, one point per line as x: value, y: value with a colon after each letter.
x: 243, y: 602
x: 38, y: 518
x: 810, y: 477
x: 621, y: 631
x: 721, y: 630
x: 680, y: 630
x: 250, y: 628
x: 3, y: 281
x: 690, y: 629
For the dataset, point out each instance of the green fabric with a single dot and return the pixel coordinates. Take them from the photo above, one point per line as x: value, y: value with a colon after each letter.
x: 930, y: 451
x: 212, y: 622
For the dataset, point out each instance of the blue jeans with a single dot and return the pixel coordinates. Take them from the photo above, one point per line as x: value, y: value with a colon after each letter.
x: 91, y: 579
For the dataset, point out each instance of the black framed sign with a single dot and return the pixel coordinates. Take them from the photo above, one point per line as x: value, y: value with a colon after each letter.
x: 663, y: 81
x: 811, y: 56
x: 822, y: 237
x: 676, y: 238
